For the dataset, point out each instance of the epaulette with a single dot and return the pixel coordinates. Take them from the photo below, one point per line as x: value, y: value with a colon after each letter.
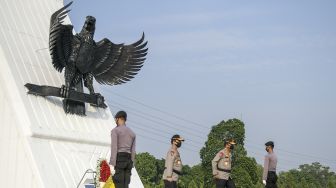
x: 172, y: 152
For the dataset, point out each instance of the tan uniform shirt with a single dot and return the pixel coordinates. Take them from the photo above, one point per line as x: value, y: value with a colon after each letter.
x: 222, y: 160
x: 173, y: 162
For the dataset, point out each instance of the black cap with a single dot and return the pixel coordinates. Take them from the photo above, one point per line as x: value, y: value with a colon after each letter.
x: 270, y: 143
x: 177, y: 137
x: 121, y: 114
x: 228, y: 138
x: 229, y: 141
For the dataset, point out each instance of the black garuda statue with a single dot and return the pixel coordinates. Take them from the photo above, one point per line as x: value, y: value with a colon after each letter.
x: 84, y: 59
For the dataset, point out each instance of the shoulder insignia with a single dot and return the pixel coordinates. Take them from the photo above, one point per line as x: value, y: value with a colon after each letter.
x: 172, y: 153
x: 221, y: 154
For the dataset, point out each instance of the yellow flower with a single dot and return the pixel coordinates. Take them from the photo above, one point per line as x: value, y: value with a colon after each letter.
x: 109, y: 183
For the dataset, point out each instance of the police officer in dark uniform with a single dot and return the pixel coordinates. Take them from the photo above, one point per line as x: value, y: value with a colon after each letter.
x: 173, y: 163
x: 122, y: 151
x: 222, y: 164
x: 270, y: 163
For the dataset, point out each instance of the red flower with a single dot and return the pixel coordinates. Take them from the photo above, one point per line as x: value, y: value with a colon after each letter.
x: 105, y: 171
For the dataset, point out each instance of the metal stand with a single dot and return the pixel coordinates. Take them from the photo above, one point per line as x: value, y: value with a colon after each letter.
x: 88, y: 171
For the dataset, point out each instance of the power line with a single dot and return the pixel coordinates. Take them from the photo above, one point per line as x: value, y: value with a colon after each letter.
x: 282, y: 159
x: 292, y: 153
x: 157, y: 109
x: 281, y: 162
x: 168, y: 125
x: 279, y: 167
x: 144, y: 116
x: 180, y: 118
x: 156, y: 131
x: 147, y: 114
x: 145, y: 137
x: 164, y: 136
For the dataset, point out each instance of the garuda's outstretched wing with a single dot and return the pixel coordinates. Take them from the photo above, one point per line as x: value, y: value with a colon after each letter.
x: 60, y: 37
x: 118, y: 63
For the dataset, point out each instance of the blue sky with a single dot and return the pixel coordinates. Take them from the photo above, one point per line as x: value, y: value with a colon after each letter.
x: 269, y: 63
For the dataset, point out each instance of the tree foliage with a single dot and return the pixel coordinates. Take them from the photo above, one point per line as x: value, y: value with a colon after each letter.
x: 308, y: 175
x: 246, y: 173
x: 146, y: 165
x: 151, y: 169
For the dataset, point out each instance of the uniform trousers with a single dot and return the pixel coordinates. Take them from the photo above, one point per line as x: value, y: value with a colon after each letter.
x: 271, y: 180
x: 170, y: 184
x: 123, y: 168
x: 222, y: 183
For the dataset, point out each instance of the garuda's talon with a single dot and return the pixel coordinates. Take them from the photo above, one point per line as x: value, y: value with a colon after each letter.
x: 65, y: 91
x: 100, y: 99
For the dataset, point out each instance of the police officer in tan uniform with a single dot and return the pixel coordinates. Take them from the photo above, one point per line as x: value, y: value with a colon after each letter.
x: 173, y: 163
x: 221, y: 165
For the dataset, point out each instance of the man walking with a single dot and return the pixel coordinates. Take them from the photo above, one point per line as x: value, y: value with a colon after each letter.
x: 269, y: 175
x: 173, y: 163
x: 122, y: 151
x: 221, y: 165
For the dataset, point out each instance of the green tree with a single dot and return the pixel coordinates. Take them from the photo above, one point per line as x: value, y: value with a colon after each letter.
x: 244, y: 168
x: 246, y: 172
x: 308, y: 175
x: 315, y: 173
x: 192, y: 177
x: 146, y: 166
x: 241, y: 177
x: 259, y: 174
x: 250, y: 166
x: 186, y: 178
x: 198, y: 175
x: 332, y: 182
x: 160, y: 166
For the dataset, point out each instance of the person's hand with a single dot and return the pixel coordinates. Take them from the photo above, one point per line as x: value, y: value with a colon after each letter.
x: 264, y: 182
x: 170, y: 179
x: 101, y: 184
x: 215, y: 176
x: 112, y: 170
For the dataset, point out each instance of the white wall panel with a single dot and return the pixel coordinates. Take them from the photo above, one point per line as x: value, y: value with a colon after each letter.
x: 16, y: 166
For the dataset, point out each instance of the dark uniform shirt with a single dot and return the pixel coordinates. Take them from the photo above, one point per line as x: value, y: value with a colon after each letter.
x: 122, y: 140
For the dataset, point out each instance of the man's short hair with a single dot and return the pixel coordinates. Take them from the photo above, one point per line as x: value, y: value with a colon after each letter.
x: 121, y: 114
x: 270, y: 143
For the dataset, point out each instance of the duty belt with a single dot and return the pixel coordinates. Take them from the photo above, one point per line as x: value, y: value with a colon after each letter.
x: 223, y: 170
x: 176, y: 172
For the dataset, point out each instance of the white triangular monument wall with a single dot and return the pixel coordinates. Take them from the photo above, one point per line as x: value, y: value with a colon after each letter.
x: 41, y: 146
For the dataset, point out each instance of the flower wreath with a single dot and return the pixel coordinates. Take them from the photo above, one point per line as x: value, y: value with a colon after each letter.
x: 103, y: 176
